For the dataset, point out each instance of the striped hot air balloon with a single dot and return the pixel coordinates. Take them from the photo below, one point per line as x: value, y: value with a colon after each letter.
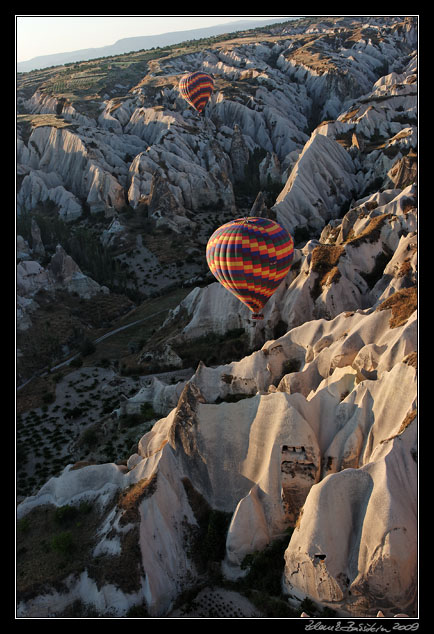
x: 196, y: 88
x: 250, y: 257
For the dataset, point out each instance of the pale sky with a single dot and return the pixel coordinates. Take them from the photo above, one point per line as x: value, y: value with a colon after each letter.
x: 48, y: 34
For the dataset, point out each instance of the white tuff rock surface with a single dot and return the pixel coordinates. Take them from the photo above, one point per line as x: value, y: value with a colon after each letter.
x: 247, y: 457
x: 322, y: 436
x: 321, y: 181
x: 62, y: 272
x: 378, y: 229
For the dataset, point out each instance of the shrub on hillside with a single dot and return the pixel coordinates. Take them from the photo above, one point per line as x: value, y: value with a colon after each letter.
x: 63, y: 543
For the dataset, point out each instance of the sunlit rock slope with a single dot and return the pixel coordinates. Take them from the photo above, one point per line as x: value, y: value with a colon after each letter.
x: 315, y: 428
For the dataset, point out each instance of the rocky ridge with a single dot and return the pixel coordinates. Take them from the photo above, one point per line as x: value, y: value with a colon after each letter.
x: 145, y: 151
x: 322, y: 415
x: 111, y: 159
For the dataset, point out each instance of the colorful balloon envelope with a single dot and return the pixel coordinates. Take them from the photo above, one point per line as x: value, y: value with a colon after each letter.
x: 250, y: 257
x: 196, y: 88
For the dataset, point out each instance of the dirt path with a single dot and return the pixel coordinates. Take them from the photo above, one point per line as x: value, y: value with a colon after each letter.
x: 106, y: 336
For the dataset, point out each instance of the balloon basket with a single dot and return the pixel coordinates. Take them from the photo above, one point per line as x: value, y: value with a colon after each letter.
x: 257, y: 316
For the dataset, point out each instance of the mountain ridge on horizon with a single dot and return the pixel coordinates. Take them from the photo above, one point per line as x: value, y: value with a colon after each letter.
x: 128, y: 44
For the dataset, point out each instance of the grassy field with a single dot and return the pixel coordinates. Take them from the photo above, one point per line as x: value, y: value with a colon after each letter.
x: 123, y: 344
x: 120, y: 347
x: 65, y: 416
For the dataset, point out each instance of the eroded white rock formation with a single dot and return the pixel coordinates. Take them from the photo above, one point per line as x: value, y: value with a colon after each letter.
x: 323, y: 435
x: 260, y: 458
x: 61, y: 273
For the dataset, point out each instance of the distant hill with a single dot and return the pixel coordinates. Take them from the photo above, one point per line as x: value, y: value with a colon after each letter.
x: 128, y: 44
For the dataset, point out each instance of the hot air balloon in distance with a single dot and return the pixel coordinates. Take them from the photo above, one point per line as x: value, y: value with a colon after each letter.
x: 196, y: 88
x: 250, y: 257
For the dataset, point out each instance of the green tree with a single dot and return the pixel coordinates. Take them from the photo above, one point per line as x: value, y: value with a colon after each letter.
x: 87, y: 347
x: 63, y: 543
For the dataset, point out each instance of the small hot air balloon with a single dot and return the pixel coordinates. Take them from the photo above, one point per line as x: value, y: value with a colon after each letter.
x: 250, y: 257
x: 196, y: 88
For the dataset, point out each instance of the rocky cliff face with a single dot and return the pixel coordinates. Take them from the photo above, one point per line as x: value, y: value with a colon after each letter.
x: 315, y: 429
x: 62, y: 272
x: 266, y: 92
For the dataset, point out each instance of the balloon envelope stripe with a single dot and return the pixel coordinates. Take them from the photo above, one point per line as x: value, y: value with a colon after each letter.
x: 281, y: 250
x: 220, y: 257
x: 192, y: 79
x: 190, y: 82
x: 193, y: 89
x: 250, y: 257
x: 196, y: 88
